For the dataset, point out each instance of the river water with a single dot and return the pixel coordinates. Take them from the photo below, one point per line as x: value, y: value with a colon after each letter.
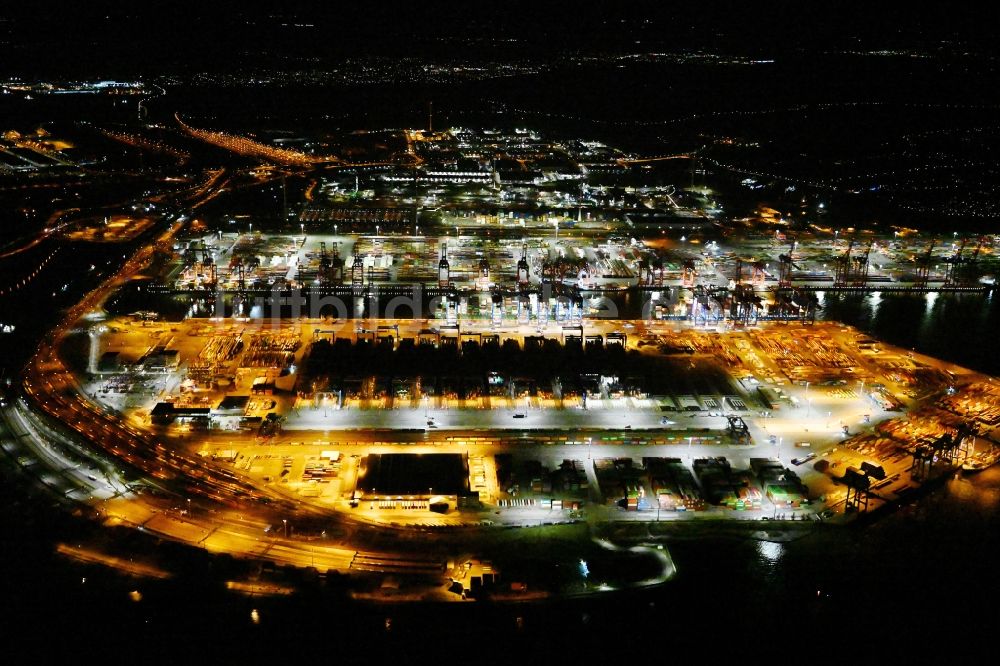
x: 960, y: 328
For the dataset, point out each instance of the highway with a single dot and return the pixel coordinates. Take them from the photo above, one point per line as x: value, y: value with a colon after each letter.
x: 243, y: 531
x: 53, y: 226
x: 53, y: 389
x: 230, y: 515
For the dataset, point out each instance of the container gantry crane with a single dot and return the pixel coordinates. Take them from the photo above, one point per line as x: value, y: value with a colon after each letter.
x: 842, y: 269
x: 924, y: 266
x: 955, y: 265
x: 859, y: 274
x: 786, y: 263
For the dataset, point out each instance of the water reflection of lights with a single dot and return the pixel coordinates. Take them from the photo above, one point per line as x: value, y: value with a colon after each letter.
x: 930, y: 297
x: 770, y: 550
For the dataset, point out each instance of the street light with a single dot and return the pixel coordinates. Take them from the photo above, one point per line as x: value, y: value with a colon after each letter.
x: 285, y: 523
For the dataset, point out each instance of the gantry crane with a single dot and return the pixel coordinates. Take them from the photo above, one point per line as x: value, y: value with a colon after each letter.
x: 658, y: 272
x: 969, y: 274
x: 924, y: 266
x: 522, y: 269
x: 744, y: 305
x: 444, y: 270
x: 807, y: 303
x: 842, y: 269
x: 859, y: 274
x: 357, y: 270
x: 645, y: 273
x: 324, y: 265
x: 237, y: 268
x: 757, y: 270
x: 759, y: 274
x: 688, y: 273
x: 786, y: 263
x: 954, y: 265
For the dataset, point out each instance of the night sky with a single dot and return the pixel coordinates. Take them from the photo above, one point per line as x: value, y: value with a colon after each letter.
x: 62, y: 38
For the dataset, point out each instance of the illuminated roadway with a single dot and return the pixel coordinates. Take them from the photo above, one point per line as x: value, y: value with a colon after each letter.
x: 236, y: 531
x: 237, y: 520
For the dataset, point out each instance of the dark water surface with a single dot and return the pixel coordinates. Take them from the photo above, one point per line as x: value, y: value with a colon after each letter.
x: 961, y: 328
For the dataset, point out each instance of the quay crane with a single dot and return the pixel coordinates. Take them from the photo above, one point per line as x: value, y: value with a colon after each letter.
x: 757, y: 271
x: 969, y: 273
x: 658, y: 272
x: 331, y: 266
x: 324, y: 264
x: 236, y: 267
x: 444, y: 269
x: 522, y: 269
x: 954, y: 265
x: 786, y: 263
x: 688, y: 273
x: 842, y: 269
x: 859, y: 274
x: 744, y: 303
x: 357, y: 270
x: 924, y: 267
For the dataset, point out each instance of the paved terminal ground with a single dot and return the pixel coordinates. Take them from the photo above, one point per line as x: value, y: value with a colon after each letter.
x: 747, y: 423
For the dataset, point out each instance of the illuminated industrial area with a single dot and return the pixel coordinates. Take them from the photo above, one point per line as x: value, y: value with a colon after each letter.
x: 481, y: 358
x: 491, y: 369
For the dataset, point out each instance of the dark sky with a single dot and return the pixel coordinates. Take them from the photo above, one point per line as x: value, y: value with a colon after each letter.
x: 51, y: 38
